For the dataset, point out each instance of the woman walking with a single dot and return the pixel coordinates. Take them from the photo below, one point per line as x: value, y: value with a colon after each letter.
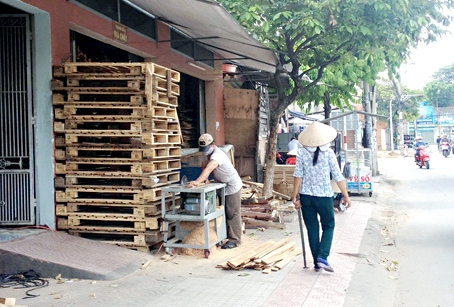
x: 316, y: 163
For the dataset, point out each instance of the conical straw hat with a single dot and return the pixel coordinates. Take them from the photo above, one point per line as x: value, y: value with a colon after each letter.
x: 335, y: 187
x: 317, y: 134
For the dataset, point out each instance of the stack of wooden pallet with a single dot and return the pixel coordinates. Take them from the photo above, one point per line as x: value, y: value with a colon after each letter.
x: 283, y: 179
x: 267, y: 257
x: 117, y: 140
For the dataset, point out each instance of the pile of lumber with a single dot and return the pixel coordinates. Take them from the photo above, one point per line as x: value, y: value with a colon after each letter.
x: 257, y: 211
x: 117, y: 138
x: 267, y: 257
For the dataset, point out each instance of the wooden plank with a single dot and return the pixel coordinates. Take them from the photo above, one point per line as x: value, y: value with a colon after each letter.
x: 283, y: 262
x: 272, y: 248
x: 247, y: 256
x: 270, y: 257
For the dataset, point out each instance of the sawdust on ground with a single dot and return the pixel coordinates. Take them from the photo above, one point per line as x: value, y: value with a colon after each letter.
x: 197, y: 237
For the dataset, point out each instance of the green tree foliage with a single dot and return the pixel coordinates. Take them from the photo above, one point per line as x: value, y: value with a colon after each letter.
x: 336, y: 42
x: 408, y: 103
x: 440, y: 92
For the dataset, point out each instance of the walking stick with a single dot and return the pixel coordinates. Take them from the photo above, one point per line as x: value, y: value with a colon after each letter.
x: 302, y: 236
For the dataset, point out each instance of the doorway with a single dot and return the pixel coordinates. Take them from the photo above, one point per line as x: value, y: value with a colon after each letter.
x: 17, y: 192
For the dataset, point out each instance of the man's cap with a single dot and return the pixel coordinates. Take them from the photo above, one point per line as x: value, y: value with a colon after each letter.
x: 317, y: 134
x: 205, y: 140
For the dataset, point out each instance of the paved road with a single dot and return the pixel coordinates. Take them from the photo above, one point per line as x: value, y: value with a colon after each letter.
x: 416, y: 229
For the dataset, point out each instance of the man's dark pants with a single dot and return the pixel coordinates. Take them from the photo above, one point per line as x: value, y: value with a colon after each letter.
x: 233, y: 217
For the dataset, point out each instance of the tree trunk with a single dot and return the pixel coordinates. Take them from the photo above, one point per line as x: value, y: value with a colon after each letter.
x: 327, y: 105
x: 271, y: 157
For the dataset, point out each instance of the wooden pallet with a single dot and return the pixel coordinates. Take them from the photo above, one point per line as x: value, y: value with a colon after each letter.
x: 109, y: 222
x: 130, y: 86
x: 125, y: 109
x: 162, y: 112
x: 120, y: 238
x: 148, y: 209
x: 133, y: 168
x: 104, y: 195
x: 160, y: 125
x: 115, y: 154
x: 70, y: 68
x: 163, y: 99
x: 147, y: 138
x: 152, y: 69
x: 165, y: 85
x: 151, y: 181
x: 60, y: 99
x: 108, y: 152
x: 84, y: 127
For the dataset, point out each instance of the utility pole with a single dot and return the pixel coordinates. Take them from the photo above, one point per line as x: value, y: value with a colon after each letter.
x: 367, y: 108
x: 374, y: 133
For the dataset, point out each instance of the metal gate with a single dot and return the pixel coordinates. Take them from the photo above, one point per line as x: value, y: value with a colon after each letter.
x: 16, y: 123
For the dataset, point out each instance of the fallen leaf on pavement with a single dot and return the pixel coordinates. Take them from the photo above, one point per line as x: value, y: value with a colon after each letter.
x: 243, y: 274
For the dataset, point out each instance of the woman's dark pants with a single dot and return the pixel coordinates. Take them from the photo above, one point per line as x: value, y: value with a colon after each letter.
x: 313, y: 207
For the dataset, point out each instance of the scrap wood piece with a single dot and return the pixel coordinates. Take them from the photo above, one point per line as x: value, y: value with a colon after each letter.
x: 8, y: 300
x: 253, y: 223
x: 257, y: 215
x: 266, y: 271
x: 146, y: 264
x: 260, y: 185
x: 247, y: 256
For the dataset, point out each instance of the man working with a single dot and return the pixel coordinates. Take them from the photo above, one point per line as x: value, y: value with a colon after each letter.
x: 217, y: 163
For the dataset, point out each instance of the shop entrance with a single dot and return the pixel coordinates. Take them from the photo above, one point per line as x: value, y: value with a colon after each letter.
x: 87, y: 49
x: 17, y: 192
x: 191, y: 109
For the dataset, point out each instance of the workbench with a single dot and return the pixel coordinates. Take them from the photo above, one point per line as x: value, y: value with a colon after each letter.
x: 205, y: 197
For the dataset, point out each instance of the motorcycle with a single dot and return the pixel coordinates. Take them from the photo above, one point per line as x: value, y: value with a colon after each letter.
x: 445, y: 149
x: 423, y: 158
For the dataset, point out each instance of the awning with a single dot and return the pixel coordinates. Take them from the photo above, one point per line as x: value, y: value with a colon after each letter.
x: 301, y: 116
x: 211, y: 25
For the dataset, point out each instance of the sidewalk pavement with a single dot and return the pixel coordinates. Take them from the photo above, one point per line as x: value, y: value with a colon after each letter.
x: 195, y: 281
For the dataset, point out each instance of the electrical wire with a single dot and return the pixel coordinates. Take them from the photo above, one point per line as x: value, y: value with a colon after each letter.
x: 27, y: 279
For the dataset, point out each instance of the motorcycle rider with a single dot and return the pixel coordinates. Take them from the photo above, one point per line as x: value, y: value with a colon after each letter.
x: 419, y: 142
x: 438, y: 143
x: 445, y: 139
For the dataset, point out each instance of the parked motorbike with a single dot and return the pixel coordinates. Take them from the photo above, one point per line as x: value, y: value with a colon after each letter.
x: 445, y: 150
x: 423, y: 158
